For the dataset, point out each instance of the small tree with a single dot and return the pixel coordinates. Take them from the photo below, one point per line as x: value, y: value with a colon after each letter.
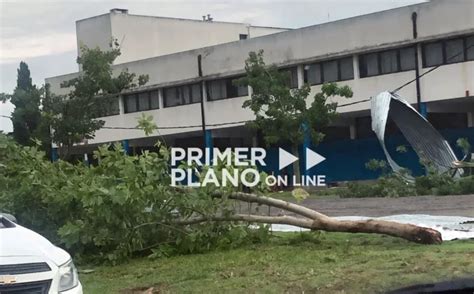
x: 26, y: 98
x: 73, y: 117
x: 284, y: 114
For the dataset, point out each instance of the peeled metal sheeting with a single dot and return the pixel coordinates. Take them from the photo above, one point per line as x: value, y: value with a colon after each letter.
x: 427, y: 142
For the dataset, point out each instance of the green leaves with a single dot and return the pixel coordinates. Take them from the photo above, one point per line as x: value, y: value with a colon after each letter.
x: 146, y: 123
x: 280, y: 111
x: 122, y: 206
x: 92, y: 94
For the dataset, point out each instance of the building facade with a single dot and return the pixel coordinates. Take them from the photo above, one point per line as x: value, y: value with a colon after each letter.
x: 370, y: 53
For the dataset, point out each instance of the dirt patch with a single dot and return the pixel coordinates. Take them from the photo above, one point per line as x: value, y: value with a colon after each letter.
x: 145, y: 290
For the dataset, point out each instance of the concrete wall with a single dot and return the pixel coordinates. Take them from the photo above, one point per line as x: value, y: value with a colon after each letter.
x: 349, y: 37
x: 147, y: 36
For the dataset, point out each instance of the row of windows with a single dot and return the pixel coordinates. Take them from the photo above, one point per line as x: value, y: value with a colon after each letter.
x: 182, y: 95
x: 371, y: 64
x: 141, y: 101
x: 448, y: 51
x: 225, y: 88
x: 389, y: 61
x: 329, y: 71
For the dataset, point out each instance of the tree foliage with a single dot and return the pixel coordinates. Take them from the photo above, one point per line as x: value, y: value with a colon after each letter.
x: 121, y: 207
x: 73, y: 117
x: 283, y: 113
x: 26, y: 98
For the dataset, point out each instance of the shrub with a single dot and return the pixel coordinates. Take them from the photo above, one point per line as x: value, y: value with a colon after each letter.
x: 122, y: 206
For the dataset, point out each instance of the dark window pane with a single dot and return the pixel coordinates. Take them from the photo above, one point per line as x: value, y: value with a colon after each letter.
x: 433, y: 54
x: 216, y: 90
x: 470, y: 48
x: 185, y: 92
x: 154, y: 100
x: 407, y: 58
x: 171, y: 97
x: 330, y: 71
x: 196, y: 93
x: 243, y: 36
x: 454, y: 51
x: 143, y: 102
x: 113, y: 106
x: 388, y: 61
x: 292, y: 81
x: 131, y: 103
x: 347, y: 68
x: 313, y: 74
x: 372, y: 64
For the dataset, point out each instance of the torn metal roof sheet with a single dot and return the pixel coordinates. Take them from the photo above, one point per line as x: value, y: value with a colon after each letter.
x: 427, y: 142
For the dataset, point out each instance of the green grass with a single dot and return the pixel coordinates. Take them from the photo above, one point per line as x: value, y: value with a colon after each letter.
x: 293, y: 263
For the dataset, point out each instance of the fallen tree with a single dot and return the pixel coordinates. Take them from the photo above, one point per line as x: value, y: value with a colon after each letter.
x: 313, y: 220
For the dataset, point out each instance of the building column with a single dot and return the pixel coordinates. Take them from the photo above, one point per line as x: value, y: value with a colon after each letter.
x: 126, y: 146
x: 300, y: 75
x: 121, y: 104
x: 306, y: 144
x: 353, y: 130
x: 470, y: 119
x: 54, y: 154
x: 161, y: 103
x: 424, y: 109
x: 86, y: 159
x: 355, y: 65
x: 209, y: 143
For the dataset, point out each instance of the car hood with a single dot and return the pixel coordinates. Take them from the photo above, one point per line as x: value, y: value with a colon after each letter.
x: 19, y: 241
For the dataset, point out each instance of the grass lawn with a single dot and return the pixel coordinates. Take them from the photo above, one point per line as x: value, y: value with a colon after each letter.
x: 293, y: 263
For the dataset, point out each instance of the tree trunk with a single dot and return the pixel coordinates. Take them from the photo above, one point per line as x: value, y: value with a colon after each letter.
x: 296, y: 165
x: 311, y: 219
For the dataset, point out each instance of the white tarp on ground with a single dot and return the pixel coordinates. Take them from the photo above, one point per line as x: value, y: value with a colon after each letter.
x: 450, y: 227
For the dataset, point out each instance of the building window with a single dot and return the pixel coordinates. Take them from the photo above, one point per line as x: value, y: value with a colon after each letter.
x: 388, y: 61
x: 141, y: 101
x: 313, y: 74
x: 346, y: 69
x: 454, y: 51
x: 182, y: 95
x: 131, y: 103
x: 243, y: 36
x: 433, y: 54
x: 154, y: 100
x: 292, y: 78
x: 470, y: 48
x: 407, y: 58
x: 107, y: 106
x: 225, y: 88
x: 329, y: 71
x: 448, y: 51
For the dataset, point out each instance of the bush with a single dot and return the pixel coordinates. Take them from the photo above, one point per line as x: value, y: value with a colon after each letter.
x: 122, y: 206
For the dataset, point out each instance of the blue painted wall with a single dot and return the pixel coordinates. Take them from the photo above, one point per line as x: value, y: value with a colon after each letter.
x: 346, y: 159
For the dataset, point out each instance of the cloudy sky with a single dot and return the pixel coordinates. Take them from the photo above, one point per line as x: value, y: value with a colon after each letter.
x: 42, y: 33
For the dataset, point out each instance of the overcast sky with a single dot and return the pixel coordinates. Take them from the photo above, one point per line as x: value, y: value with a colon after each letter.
x: 42, y: 33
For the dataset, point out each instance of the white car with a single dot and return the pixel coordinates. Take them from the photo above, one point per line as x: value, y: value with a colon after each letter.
x: 31, y: 264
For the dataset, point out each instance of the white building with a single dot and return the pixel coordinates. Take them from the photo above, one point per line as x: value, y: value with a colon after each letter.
x: 370, y: 53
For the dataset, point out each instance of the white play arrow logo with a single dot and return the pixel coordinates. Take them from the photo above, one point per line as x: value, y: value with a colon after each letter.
x: 285, y: 158
x: 313, y: 158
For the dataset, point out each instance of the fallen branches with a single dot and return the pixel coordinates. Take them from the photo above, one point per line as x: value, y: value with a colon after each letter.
x: 311, y: 219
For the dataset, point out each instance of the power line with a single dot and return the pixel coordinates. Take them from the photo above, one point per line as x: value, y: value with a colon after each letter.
x: 181, y: 127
